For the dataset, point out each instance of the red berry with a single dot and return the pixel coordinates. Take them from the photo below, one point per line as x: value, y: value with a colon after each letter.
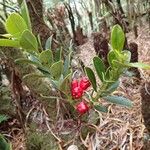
x: 74, y: 84
x: 82, y: 107
x: 84, y: 83
x: 77, y: 92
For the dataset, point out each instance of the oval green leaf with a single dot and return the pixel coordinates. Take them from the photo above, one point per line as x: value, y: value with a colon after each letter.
x: 111, y: 57
x: 56, y: 70
x: 117, y: 38
x: 25, y: 14
x: 9, y: 43
x: 46, y: 58
x: 118, y: 100
x: 27, y: 61
x: 57, y: 55
x: 111, y: 88
x: 15, y: 25
x: 91, y: 76
x: 28, y: 42
x: 101, y: 108
x: 99, y: 67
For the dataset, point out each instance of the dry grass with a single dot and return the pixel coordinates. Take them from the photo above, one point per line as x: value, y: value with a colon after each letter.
x: 123, y: 128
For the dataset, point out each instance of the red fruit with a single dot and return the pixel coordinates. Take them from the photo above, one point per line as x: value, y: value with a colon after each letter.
x: 84, y: 83
x: 74, y: 84
x: 82, y: 107
x: 77, y: 92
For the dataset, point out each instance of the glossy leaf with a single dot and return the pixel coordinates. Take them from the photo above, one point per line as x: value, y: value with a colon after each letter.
x: 28, y: 42
x: 117, y: 38
x: 99, y: 67
x: 119, y: 100
x: 46, y: 58
x: 91, y: 76
x: 56, y: 69
x: 15, y: 25
x: 25, y: 14
x: 9, y: 43
x: 101, y: 108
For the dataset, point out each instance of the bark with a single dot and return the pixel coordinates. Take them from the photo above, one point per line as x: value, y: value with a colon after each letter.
x: 133, y: 48
x: 39, y: 27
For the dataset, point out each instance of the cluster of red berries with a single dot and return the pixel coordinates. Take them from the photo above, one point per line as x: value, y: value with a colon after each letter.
x: 77, y: 90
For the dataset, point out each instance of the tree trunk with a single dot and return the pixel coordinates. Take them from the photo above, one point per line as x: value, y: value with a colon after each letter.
x: 39, y: 27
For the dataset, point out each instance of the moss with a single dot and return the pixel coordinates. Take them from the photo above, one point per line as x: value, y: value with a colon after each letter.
x: 37, y: 140
x: 6, y: 106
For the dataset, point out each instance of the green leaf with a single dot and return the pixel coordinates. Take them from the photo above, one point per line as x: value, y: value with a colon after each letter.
x: 26, y: 61
x: 28, y: 42
x: 9, y: 43
x: 25, y: 14
x: 119, y: 100
x: 101, y: 108
x: 44, y: 71
x: 46, y: 58
x: 3, y: 144
x: 39, y: 42
x: 67, y: 64
x: 91, y: 76
x: 48, y: 44
x: 3, y: 118
x: 139, y: 65
x: 57, y: 69
x: 99, y: 67
x: 65, y: 85
x: 117, y: 38
x: 57, y: 55
x: 34, y: 76
x: 111, y: 57
x: 15, y: 25
x: 111, y: 88
x: 126, y: 56
x: 6, y: 35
